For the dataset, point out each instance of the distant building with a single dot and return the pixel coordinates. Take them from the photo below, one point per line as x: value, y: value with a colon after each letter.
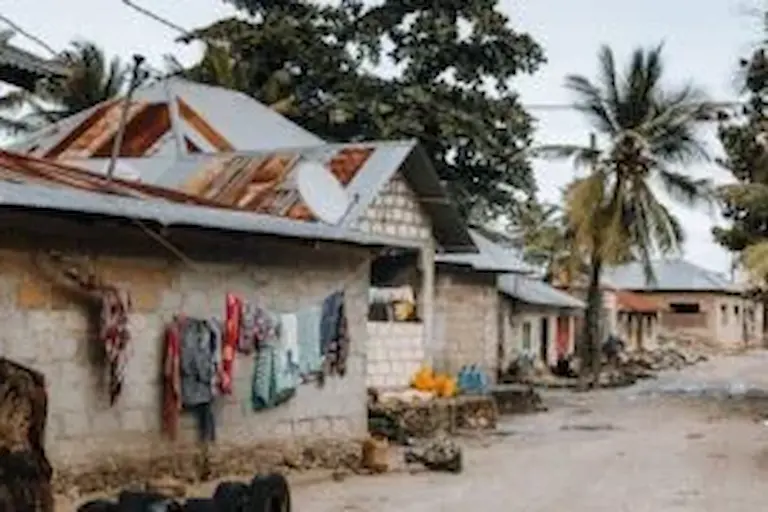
x: 694, y: 301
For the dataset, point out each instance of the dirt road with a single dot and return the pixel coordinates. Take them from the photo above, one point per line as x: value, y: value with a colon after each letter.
x: 631, y: 450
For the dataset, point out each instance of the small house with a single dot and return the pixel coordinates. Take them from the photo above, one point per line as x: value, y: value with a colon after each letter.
x: 694, y: 302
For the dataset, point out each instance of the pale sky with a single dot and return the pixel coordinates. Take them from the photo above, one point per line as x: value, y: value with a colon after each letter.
x: 703, y: 41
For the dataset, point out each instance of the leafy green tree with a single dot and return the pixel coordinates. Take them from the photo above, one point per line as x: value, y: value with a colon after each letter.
x: 744, y: 138
x: 453, y: 64
x: 648, y: 134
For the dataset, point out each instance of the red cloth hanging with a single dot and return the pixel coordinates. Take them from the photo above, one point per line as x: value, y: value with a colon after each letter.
x: 234, y: 308
x: 172, y: 380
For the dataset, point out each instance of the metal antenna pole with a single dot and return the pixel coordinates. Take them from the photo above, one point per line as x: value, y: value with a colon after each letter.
x: 136, y: 78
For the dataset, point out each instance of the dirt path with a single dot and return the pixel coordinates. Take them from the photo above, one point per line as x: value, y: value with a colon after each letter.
x: 611, y: 451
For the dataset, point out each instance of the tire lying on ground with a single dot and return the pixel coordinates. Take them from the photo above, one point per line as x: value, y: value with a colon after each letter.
x: 271, y: 493
x: 139, y: 501
x: 233, y: 497
x: 200, y: 505
x: 98, y: 506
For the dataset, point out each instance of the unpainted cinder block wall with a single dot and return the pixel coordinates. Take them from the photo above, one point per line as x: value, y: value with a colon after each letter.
x: 467, y: 320
x: 48, y: 330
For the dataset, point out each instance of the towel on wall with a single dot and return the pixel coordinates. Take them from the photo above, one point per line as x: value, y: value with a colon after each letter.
x: 310, y: 352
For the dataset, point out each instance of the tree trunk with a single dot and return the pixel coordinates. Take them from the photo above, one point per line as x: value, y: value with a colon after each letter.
x: 591, y: 335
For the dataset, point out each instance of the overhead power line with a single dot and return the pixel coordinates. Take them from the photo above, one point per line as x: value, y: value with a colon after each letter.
x: 572, y: 106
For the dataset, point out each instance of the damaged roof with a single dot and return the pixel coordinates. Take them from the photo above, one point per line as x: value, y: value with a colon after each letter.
x: 224, y: 147
x: 36, y: 183
x: 171, y: 117
x: 23, y: 69
x: 46, y: 197
x: 490, y: 256
x: 259, y: 181
x: 532, y: 291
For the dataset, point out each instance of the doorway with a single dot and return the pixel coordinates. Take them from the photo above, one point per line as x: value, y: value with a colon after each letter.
x: 544, y: 345
x: 562, y: 345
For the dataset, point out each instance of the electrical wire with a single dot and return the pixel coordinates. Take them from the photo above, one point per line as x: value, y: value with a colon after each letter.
x: 29, y: 35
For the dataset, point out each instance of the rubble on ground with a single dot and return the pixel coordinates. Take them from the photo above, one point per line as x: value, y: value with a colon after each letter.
x: 672, y: 353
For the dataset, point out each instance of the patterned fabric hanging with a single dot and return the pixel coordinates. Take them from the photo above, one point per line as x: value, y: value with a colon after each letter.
x: 115, y: 336
x: 234, y: 308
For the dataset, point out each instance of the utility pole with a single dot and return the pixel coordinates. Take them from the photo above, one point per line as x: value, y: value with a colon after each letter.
x: 137, y: 76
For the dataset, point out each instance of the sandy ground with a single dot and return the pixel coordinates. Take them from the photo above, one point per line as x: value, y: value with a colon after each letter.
x: 627, y: 450
x: 637, y: 449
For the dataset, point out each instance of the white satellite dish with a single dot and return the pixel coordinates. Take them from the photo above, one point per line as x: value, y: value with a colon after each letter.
x: 323, y: 194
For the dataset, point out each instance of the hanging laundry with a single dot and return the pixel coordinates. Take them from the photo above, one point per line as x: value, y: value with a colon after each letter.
x: 115, y: 336
x: 310, y: 351
x: 257, y: 326
x: 287, y: 370
x: 216, y: 328
x: 262, y: 384
x: 276, y: 372
x: 172, y: 380
x: 230, y: 342
x: 334, y: 337
x: 190, y: 371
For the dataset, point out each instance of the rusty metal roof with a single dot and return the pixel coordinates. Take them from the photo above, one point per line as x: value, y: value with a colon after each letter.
x: 635, y: 303
x: 171, y: 117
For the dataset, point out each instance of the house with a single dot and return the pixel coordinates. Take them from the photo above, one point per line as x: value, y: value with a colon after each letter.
x: 468, y: 318
x: 23, y: 69
x: 179, y: 233
x: 537, y: 320
x: 186, y: 136
x: 693, y: 301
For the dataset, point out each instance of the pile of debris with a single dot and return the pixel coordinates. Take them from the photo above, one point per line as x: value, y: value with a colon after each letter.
x: 670, y: 355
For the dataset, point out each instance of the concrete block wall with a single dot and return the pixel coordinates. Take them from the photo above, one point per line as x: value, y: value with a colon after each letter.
x: 466, y: 304
x: 395, y: 353
x: 396, y: 212
x: 48, y: 330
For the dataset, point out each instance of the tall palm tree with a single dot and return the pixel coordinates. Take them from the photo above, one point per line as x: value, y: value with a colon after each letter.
x: 92, y: 79
x: 649, y: 135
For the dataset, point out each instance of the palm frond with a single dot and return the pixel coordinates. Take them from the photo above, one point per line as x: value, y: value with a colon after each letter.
x: 589, y: 100
x: 685, y: 189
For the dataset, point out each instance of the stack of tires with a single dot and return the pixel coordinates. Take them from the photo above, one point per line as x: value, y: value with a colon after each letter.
x: 268, y: 493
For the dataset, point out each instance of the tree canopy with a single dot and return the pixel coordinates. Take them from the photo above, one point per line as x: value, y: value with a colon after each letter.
x: 436, y: 71
x: 745, y: 142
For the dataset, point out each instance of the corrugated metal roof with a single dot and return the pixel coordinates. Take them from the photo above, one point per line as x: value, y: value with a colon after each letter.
x: 170, y: 214
x: 490, y: 257
x: 532, y: 291
x: 179, y: 115
x: 366, y: 178
x: 32, y: 66
x: 671, y: 275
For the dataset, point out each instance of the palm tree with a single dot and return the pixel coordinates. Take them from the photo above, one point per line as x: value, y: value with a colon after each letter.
x: 649, y: 133
x: 92, y: 79
x: 547, y: 241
